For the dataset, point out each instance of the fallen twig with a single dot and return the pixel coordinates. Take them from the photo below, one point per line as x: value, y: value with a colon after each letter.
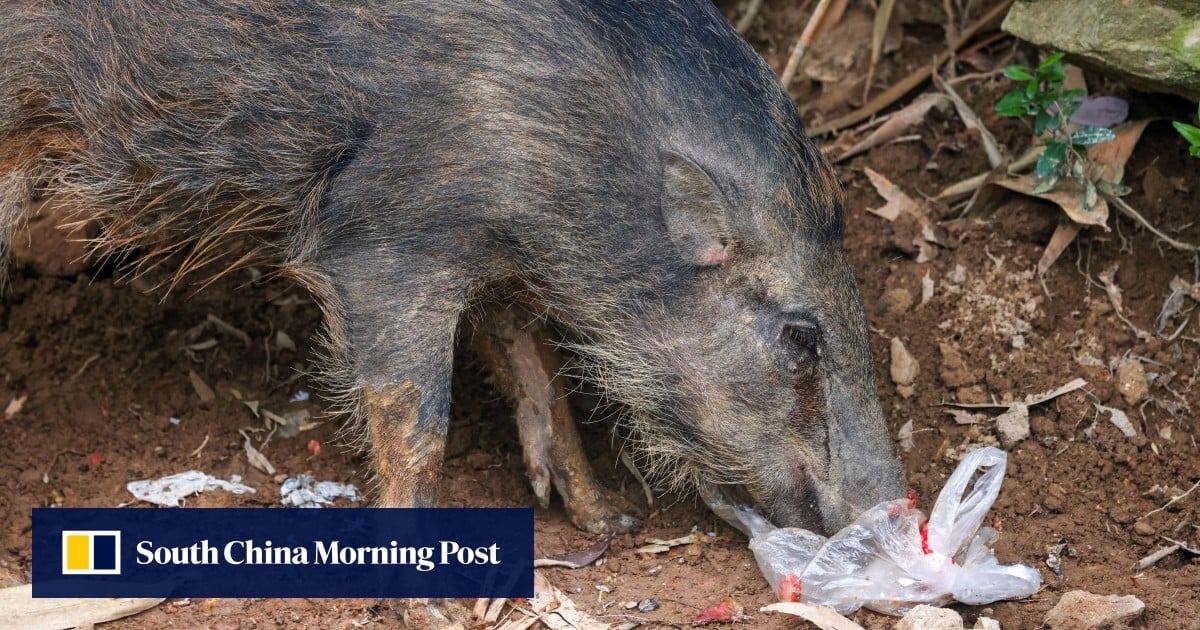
x: 1173, y: 501
x: 747, y: 18
x: 971, y: 120
x: 883, y: 18
x: 1152, y: 559
x: 912, y: 81
x: 810, y: 31
x: 1137, y: 216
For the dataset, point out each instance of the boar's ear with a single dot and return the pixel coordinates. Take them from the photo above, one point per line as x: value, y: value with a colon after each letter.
x: 693, y: 209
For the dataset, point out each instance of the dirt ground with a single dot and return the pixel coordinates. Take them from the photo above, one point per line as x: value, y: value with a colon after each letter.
x: 107, y: 368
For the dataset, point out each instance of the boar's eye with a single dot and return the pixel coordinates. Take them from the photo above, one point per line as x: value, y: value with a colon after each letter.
x: 802, y: 341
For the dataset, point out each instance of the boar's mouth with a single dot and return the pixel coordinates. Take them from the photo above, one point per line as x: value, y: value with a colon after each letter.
x: 727, y: 499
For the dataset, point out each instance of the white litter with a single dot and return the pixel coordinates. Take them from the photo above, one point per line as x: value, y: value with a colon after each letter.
x: 169, y: 491
x: 892, y: 559
x: 306, y: 492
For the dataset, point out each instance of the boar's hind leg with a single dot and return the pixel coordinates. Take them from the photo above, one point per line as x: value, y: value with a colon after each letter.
x: 525, y: 366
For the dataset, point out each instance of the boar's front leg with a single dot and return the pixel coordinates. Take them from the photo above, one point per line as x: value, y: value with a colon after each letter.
x: 398, y: 339
x: 525, y: 365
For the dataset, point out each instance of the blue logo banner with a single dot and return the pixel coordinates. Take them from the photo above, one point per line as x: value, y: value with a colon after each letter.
x: 287, y: 552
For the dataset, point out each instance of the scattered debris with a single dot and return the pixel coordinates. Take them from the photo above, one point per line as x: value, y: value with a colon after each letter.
x: 914, y: 113
x: 175, y: 421
x: 1107, y: 279
x: 1119, y: 420
x: 904, y: 368
x: 306, y: 492
x: 553, y: 608
x: 206, y: 393
x: 1012, y: 426
x: 578, y: 558
x: 1081, y: 610
x: 256, y: 458
x: 904, y: 437
x: 14, y: 406
x: 299, y: 396
x: 986, y: 623
x: 1131, y: 381
x: 915, y: 232
x: 169, y: 491
x: 822, y: 617
x: 1153, y: 559
x: 925, y: 617
x: 284, y: 342
x: 656, y: 545
x: 647, y: 605
x: 228, y: 329
x: 728, y: 611
x: 19, y: 609
x: 1173, y: 500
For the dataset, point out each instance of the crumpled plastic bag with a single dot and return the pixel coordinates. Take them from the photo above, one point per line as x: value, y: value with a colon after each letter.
x: 170, y: 490
x: 306, y: 492
x: 892, y: 558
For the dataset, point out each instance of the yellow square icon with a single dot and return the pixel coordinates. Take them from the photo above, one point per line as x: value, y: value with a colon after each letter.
x: 78, y: 552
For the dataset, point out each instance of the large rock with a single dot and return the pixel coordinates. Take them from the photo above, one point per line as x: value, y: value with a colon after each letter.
x: 1154, y: 46
x: 1081, y: 610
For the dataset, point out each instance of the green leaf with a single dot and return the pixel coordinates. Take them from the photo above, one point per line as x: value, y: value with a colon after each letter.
x: 1045, y: 120
x: 1194, y: 150
x: 1012, y: 104
x: 1090, y: 196
x: 1051, y: 158
x: 1046, y: 184
x: 1018, y: 73
x: 1051, y: 60
x: 1092, y: 135
x: 1189, y: 132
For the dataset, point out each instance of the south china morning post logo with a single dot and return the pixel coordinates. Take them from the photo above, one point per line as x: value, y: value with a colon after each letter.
x: 283, y: 552
x: 91, y: 552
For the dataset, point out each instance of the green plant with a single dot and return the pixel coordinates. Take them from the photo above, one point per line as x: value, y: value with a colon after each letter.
x: 1190, y: 133
x: 1051, y: 106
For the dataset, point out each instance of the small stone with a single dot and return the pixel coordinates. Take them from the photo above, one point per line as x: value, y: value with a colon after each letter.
x: 904, y: 367
x: 986, y: 623
x: 1131, y: 382
x: 647, y: 605
x: 926, y: 617
x: 1012, y: 426
x: 1081, y: 610
x: 1142, y: 528
x: 896, y: 301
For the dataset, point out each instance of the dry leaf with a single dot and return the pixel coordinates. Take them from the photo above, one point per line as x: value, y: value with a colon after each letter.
x: 205, y: 392
x: 823, y: 617
x: 1068, y: 195
x: 1115, y: 153
x: 897, y: 200
x: 256, y: 458
x: 578, y: 558
x: 1063, y: 235
x: 899, y: 122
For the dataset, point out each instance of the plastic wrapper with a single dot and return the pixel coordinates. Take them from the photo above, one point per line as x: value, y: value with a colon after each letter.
x: 892, y: 558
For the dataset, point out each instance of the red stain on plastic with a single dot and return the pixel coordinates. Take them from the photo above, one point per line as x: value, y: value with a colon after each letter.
x: 925, y: 538
x: 912, y: 498
x: 790, y: 588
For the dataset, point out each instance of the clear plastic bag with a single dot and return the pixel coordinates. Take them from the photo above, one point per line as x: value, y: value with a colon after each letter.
x: 892, y: 558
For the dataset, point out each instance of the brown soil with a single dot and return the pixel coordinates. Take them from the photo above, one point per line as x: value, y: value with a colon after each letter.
x: 105, y: 365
